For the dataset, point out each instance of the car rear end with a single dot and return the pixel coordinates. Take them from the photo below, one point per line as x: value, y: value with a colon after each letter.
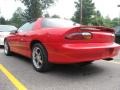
x: 68, y: 42
x: 83, y: 44
x: 2, y: 36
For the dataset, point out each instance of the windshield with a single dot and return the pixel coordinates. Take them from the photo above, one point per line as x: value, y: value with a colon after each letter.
x: 52, y: 23
x: 7, y: 28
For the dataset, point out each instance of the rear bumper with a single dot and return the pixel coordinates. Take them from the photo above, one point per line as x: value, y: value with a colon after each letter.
x: 76, y: 53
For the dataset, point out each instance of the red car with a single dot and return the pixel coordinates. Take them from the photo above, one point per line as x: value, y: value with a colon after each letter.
x: 59, y: 41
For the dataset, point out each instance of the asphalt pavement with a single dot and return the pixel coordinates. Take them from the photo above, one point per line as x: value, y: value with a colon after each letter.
x: 101, y: 75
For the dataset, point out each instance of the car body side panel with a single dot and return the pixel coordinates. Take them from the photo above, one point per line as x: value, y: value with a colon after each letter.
x: 13, y: 42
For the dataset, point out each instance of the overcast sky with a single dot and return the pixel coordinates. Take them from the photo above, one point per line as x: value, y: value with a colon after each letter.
x: 64, y: 8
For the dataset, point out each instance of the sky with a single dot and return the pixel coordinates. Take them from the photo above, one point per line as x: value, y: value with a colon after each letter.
x: 63, y: 8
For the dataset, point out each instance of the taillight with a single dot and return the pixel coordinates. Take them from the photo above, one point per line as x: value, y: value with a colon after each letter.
x: 79, y: 36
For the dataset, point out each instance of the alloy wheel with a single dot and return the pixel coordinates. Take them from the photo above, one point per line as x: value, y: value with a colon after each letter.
x: 37, y: 57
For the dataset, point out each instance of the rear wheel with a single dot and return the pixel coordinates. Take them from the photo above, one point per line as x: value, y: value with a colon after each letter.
x: 40, y: 58
x: 87, y: 63
x: 7, y: 48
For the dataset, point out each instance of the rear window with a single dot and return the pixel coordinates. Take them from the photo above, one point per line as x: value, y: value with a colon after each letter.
x: 7, y: 28
x: 53, y: 23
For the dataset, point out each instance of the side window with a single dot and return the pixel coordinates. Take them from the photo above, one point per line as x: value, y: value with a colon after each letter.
x: 26, y: 27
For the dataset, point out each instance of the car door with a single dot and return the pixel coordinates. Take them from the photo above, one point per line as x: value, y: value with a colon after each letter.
x: 13, y: 42
x: 24, y: 35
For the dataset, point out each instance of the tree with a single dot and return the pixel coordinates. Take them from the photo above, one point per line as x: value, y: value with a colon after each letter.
x: 107, y: 22
x: 55, y: 16
x: 17, y: 18
x: 97, y: 19
x: 47, y: 15
x: 35, y: 8
x: 115, y: 22
x: 2, y: 20
x: 88, y: 11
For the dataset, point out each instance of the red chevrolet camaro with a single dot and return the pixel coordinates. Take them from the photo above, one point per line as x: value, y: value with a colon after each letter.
x: 59, y: 41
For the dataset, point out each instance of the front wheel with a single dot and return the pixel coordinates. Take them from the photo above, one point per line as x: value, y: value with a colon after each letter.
x: 40, y: 58
x: 7, y: 48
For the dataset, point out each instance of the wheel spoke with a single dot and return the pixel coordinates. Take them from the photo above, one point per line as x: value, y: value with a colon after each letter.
x: 40, y: 61
x: 37, y: 62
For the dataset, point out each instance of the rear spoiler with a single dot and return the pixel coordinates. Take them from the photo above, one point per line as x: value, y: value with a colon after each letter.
x: 101, y: 28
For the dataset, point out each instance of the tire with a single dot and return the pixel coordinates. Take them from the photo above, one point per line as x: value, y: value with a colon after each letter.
x: 88, y: 63
x: 40, y: 58
x: 7, y: 48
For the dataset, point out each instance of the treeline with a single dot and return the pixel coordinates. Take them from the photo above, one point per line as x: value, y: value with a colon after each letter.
x: 91, y: 16
x: 36, y: 8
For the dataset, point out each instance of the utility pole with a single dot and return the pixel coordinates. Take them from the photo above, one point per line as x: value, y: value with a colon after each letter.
x: 119, y: 14
x: 81, y: 11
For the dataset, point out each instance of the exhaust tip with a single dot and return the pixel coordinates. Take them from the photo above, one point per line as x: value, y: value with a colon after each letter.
x: 108, y: 59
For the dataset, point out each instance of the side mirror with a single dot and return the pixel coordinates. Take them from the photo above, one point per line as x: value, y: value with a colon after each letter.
x: 13, y: 32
